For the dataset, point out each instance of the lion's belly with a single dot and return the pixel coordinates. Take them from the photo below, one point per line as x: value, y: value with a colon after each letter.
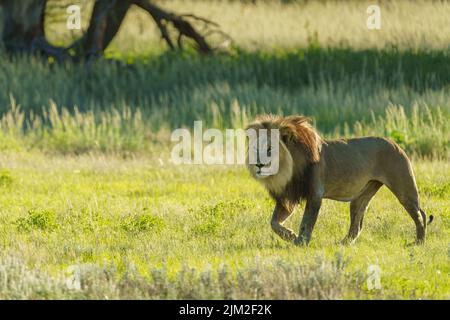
x: 340, y: 198
x: 345, y: 192
x: 348, y: 170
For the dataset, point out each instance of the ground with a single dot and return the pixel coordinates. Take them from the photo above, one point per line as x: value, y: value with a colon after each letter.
x: 175, y: 226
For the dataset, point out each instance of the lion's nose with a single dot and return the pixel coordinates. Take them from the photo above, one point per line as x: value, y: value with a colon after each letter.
x: 259, y: 165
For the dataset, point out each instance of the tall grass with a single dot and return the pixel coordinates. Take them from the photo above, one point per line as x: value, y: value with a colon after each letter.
x: 333, y: 85
x: 309, y: 60
x: 58, y: 130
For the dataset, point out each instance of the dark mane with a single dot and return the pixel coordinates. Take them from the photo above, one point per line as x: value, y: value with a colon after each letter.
x: 297, y: 189
x: 304, y: 144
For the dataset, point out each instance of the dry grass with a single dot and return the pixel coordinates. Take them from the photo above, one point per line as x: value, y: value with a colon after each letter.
x: 273, y: 24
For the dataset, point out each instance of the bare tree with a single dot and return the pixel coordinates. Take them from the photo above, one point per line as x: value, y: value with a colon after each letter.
x: 23, y: 28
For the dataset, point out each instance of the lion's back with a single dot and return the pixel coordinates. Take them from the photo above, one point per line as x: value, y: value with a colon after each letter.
x: 366, y: 158
x: 371, y: 148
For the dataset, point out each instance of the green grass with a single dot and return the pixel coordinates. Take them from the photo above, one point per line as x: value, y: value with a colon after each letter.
x: 141, y: 228
x: 87, y: 188
x: 403, y: 95
x: 384, y: 86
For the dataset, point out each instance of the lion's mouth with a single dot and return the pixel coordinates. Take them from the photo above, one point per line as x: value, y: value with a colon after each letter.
x: 263, y: 172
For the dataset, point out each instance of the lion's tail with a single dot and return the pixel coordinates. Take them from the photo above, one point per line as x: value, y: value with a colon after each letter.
x: 424, y: 216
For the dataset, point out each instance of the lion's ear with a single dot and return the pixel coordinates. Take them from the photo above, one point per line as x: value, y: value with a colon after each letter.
x: 287, y: 134
x: 289, y: 127
x: 298, y: 129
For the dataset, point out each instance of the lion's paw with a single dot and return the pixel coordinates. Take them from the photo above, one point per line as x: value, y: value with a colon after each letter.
x: 301, y: 241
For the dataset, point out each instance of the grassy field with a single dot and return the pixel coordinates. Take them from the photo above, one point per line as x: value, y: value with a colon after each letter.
x: 144, y: 228
x: 91, y: 206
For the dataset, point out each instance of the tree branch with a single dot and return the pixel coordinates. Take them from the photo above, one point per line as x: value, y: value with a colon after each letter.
x: 181, y: 23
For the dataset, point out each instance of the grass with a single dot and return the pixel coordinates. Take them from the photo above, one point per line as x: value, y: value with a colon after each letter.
x: 127, y: 104
x: 423, y: 133
x: 142, y: 228
x: 91, y: 206
x: 270, y: 24
x: 135, y: 97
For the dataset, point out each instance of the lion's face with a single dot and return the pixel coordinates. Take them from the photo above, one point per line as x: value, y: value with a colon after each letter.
x: 273, y: 159
x: 269, y: 160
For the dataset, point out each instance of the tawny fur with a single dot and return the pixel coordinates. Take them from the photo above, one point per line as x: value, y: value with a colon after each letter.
x: 351, y: 170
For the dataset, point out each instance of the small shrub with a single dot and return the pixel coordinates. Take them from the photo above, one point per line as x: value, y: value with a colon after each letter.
x: 437, y: 190
x: 38, y: 219
x: 143, y: 222
x: 207, y: 228
x: 211, y: 217
x: 5, y: 178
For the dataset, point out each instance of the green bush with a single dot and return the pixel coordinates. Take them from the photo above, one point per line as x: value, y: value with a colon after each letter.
x: 41, y: 219
x: 5, y: 178
x: 143, y: 223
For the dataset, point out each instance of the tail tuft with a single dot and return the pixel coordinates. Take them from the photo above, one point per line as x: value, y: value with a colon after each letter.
x: 424, y: 217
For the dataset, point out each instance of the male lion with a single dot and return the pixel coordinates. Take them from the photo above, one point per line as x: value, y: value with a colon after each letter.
x: 313, y: 169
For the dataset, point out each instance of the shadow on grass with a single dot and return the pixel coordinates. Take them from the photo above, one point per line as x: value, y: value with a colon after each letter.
x: 334, y: 85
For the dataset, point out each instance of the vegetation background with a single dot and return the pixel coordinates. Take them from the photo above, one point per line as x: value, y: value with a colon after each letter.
x: 91, y: 206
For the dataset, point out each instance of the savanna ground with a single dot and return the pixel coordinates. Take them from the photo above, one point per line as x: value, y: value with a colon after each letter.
x: 91, y: 206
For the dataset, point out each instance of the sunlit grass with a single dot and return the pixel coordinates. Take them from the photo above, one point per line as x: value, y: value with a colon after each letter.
x: 424, y: 133
x: 271, y: 25
x: 146, y: 214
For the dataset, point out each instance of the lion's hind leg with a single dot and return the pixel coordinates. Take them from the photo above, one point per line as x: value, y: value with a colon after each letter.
x: 400, y: 180
x: 408, y: 196
x: 358, y: 207
x: 412, y: 207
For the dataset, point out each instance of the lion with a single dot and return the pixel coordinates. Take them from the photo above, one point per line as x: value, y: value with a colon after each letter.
x: 349, y: 170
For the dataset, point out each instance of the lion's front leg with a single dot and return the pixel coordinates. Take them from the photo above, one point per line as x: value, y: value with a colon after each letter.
x: 279, y: 216
x: 309, y: 220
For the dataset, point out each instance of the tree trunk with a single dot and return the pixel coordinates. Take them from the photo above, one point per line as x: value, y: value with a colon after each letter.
x: 106, y: 19
x: 23, y: 23
x: 23, y: 28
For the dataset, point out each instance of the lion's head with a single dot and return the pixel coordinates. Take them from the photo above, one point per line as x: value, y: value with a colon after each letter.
x: 296, y: 149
